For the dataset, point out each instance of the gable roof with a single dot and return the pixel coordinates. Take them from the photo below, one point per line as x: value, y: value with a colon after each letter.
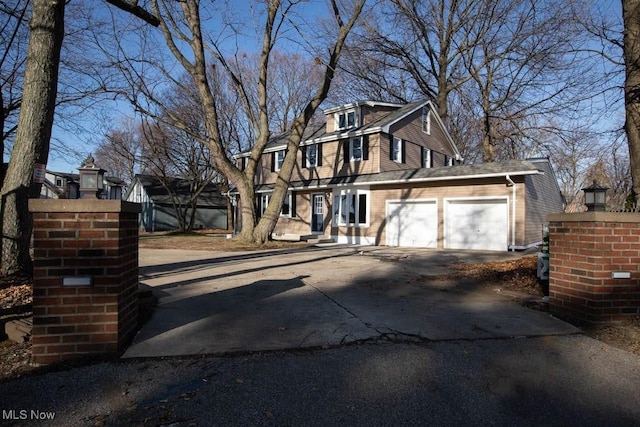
x: 443, y: 173
x: 158, y: 193
x: 318, y: 134
x: 353, y: 105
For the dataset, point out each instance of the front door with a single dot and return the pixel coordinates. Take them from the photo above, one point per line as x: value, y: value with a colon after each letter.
x: 317, y: 213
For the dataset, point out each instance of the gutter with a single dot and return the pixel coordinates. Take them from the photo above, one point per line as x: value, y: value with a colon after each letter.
x: 524, y: 247
x: 409, y: 180
x: 513, y: 210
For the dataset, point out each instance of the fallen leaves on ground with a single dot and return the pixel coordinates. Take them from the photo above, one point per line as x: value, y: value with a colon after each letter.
x: 16, y: 296
x: 516, y: 275
x: 15, y: 291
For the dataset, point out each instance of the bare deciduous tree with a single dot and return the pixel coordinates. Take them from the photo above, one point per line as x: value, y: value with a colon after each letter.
x: 631, y: 53
x: 13, y: 41
x: 217, y: 75
x: 120, y: 151
x: 182, y: 165
x: 33, y: 132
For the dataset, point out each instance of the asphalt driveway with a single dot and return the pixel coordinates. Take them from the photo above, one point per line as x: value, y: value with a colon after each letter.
x: 219, y: 303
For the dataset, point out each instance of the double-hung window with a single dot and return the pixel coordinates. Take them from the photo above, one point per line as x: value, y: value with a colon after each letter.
x: 351, y: 208
x: 265, y: 198
x: 426, y: 158
x: 396, y: 150
x: 286, y: 206
x: 278, y: 159
x: 312, y: 156
x: 346, y: 120
x: 355, y: 149
x: 264, y: 202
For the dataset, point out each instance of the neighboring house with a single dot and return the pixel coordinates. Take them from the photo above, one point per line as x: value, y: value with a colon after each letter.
x: 61, y: 185
x: 388, y: 174
x: 158, y: 211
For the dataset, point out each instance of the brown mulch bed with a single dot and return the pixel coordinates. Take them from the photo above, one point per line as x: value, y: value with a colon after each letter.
x: 517, y: 276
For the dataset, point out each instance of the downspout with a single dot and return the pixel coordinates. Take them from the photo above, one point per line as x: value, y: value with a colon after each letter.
x: 513, y: 211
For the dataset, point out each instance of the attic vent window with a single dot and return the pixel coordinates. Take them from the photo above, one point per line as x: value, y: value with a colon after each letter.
x: 346, y: 120
x: 426, y: 120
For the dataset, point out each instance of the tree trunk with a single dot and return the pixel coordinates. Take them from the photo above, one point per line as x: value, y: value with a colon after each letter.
x: 33, y: 134
x: 631, y: 18
x: 488, y: 145
x: 247, y: 212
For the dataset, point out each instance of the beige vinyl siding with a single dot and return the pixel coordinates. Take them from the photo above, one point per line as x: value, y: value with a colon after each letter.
x: 263, y: 173
x: 331, y: 123
x: 465, y: 189
x: 300, y: 223
x: 333, y: 163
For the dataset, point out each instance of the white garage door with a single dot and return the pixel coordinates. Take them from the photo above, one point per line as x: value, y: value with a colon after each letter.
x: 412, y: 223
x: 477, y: 224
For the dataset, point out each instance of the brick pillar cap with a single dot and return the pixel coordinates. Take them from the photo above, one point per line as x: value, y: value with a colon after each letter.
x: 83, y: 205
x: 595, y: 216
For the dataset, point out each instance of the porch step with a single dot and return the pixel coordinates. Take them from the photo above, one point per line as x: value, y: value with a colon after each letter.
x: 309, y: 238
x: 315, y: 239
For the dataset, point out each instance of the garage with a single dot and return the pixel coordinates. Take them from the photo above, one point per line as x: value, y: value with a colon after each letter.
x: 481, y: 224
x: 412, y: 223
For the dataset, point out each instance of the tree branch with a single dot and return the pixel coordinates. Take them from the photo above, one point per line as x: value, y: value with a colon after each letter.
x: 136, y: 10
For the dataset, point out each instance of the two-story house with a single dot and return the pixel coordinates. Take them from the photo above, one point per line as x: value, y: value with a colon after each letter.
x: 386, y: 174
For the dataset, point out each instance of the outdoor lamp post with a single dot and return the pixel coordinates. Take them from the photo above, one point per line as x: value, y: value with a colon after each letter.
x: 595, y: 197
x: 91, y: 179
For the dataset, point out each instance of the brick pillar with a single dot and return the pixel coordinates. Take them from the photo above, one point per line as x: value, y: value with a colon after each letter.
x: 585, y: 249
x: 85, y: 277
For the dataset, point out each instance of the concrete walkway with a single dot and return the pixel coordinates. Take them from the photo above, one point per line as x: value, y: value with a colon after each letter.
x: 218, y: 303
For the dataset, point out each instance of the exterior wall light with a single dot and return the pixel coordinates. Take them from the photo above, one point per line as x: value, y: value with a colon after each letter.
x: 595, y: 197
x: 91, y: 179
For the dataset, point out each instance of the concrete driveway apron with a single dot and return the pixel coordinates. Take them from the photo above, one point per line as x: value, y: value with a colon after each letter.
x: 216, y: 303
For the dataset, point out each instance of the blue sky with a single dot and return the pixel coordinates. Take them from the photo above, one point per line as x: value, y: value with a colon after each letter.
x: 79, y: 144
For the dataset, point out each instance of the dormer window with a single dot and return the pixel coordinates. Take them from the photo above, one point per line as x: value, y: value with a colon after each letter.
x: 346, y: 120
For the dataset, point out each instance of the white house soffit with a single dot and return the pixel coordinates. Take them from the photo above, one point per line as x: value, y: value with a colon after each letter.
x: 358, y: 104
x: 440, y: 178
x: 413, y: 180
